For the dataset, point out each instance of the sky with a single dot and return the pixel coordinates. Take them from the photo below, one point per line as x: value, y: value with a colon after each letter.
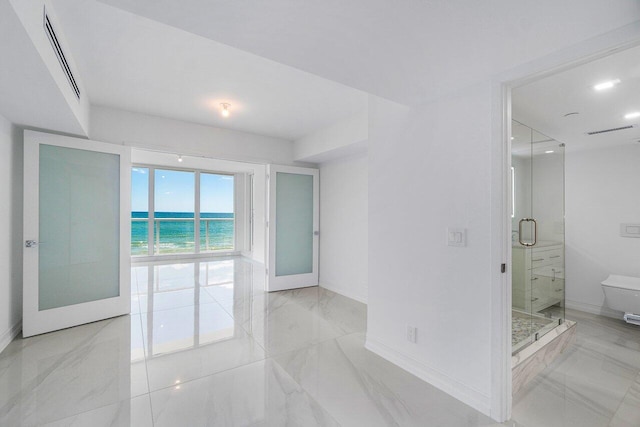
x: 175, y: 190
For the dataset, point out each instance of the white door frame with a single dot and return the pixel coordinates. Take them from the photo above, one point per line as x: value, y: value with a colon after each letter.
x: 278, y: 283
x: 581, y: 53
x: 36, y: 321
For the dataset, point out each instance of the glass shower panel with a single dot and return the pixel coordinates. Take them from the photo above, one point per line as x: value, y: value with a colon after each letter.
x: 522, y: 236
x: 548, y: 254
x: 537, y: 235
x: 79, y: 226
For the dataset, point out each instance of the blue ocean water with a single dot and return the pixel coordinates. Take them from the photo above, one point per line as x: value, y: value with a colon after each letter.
x: 176, y: 232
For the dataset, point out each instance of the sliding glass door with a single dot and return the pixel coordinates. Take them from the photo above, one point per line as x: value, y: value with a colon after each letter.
x: 174, y: 212
x: 217, y: 222
x: 181, y: 211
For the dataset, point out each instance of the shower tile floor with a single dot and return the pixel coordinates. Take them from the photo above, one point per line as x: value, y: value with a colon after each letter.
x: 523, y: 326
x: 205, y: 345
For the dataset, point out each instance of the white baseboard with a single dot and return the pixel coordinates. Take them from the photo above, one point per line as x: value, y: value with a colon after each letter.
x: 593, y: 309
x: 344, y: 291
x: 9, y: 335
x: 462, y: 392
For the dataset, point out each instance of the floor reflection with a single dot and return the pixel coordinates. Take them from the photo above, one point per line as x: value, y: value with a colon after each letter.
x: 179, y: 307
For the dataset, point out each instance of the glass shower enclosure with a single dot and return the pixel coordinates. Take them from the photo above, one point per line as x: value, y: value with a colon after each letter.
x: 537, y: 179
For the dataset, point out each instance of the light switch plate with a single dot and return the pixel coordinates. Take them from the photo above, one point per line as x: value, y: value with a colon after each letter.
x: 457, y: 236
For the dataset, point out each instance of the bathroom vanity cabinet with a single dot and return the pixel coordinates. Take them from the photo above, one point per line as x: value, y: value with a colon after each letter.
x: 538, y: 276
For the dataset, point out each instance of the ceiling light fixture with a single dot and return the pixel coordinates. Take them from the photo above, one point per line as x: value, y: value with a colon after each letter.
x: 548, y: 152
x: 633, y: 115
x: 606, y: 85
x: 225, y: 109
x: 180, y: 159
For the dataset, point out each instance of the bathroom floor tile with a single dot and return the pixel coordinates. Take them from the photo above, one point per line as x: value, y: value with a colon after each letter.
x: 593, y: 383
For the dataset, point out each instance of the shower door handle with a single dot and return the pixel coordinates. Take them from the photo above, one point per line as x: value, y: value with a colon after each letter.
x: 535, y: 232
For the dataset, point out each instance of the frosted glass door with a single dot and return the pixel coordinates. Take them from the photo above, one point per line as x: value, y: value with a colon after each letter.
x: 75, y: 256
x: 293, y: 228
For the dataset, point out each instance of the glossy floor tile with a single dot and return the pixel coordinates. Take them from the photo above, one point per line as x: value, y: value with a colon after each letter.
x: 206, y: 346
x: 594, y: 383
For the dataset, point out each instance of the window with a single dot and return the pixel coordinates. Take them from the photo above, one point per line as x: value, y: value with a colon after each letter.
x: 166, y: 223
x: 139, y: 211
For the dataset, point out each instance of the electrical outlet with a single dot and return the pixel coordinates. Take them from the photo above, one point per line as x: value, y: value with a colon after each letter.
x: 412, y: 334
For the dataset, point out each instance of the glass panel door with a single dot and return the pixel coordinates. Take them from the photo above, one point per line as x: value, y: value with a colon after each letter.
x: 140, y: 211
x: 293, y: 227
x: 216, y: 212
x: 76, y: 230
x: 548, y: 254
x: 523, y: 236
x: 537, y: 236
x: 174, y: 215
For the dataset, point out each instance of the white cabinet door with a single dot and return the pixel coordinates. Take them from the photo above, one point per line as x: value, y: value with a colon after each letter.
x: 293, y: 228
x: 76, y: 250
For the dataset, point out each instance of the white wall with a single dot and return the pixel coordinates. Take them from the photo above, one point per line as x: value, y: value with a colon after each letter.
x: 601, y: 193
x: 344, y: 226
x: 430, y: 169
x: 441, y: 165
x: 11, y: 139
x: 175, y: 136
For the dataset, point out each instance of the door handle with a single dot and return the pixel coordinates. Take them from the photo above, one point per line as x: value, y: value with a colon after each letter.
x: 535, y: 232
x: 30, y: 243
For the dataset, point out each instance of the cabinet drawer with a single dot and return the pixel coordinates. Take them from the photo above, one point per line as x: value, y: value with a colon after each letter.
x: 541, y: 258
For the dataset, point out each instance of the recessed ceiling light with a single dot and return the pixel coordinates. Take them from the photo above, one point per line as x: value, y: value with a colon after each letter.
x: 633, y: 115
x: 548, y: 152
x: 180, y: 159
x: 606, y: 85
x: 513, y: 137
x: 225, y: 109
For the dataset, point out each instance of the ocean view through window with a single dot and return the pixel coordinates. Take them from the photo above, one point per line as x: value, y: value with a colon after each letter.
x: 166, y: 223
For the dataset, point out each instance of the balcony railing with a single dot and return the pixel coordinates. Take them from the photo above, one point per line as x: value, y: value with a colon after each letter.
x: 177, y: 235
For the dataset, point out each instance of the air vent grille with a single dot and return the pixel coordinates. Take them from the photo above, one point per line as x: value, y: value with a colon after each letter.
x: 51, y: 34
x: 596, y: 132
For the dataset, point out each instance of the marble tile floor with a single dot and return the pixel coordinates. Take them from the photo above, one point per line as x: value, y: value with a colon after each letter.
x: 205, y: 345
x: 595, y: 382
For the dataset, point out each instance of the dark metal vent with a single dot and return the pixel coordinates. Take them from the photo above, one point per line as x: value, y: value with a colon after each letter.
x: 51, y: 34
x: 596, y: 132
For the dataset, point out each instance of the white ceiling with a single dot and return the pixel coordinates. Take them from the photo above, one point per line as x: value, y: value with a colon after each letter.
x: 407, y: 51
x: 134, y: 63
x: 543, y: 103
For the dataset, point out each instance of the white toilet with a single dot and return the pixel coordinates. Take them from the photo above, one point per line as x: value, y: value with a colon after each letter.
x: 622, y: 293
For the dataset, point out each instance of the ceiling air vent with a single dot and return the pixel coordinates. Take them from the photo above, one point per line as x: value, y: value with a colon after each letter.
x: 48, y: 28
x: 596, y: 132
